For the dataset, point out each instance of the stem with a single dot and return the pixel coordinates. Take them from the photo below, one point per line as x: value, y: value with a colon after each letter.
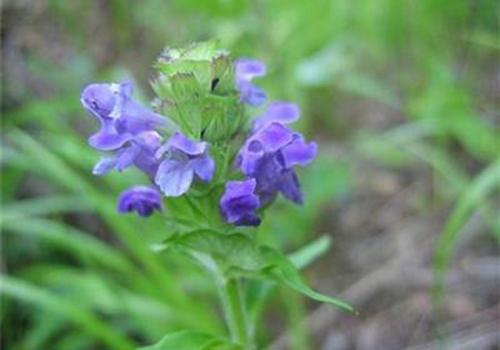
x: 235, y: 312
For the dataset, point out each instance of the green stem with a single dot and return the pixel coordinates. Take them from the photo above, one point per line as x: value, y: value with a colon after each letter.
x: 235, y: 313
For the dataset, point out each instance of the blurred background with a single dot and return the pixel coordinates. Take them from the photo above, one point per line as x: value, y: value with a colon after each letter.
x: 403, y: 97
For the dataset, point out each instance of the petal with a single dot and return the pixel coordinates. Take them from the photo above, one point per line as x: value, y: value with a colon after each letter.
x: 147, y: 163
x: 149, y: 140
x: 247, y: 69
x: 174, y: 177
x: 204, y: 167
x: 99, y: 99
x: 251, y: 94
x: 240, y: 188
x: 273, y: 137
x: 134, y: 118
x: 104, y: 166
x: 107, y: 139
x: 248, y: 219
x: 239, y: 202
x: 280, y: 112
x: 289, y: 186
x: 127, y: 157
x: 298, y: 152
x: 142, y: 199
x: 248, y: 160
x: 126, y: 88
x: 185, y: 145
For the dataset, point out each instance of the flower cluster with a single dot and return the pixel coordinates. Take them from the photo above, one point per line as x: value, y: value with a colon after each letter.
x: 131, y: 133
x: 268, y: 156
x: 204, y: 103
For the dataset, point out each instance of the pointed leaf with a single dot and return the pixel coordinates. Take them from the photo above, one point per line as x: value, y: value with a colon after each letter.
x: 283, y: 272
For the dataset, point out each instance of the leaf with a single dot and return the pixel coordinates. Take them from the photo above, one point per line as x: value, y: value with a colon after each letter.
x: 232, y: 252
x: 283, y: 272
x: 237, y: 253
x: 190, y: 340
x: 257, y: 291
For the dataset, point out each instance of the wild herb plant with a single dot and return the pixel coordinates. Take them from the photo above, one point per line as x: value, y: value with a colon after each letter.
x: 213, y: 163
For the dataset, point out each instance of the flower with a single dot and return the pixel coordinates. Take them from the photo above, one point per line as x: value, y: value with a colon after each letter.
x: 246, y: 69
x: 239, y: 203
x: 269, y: 156
x: 121, y: 117
x: 139, y: 151
x: 142, y: 199
x: 279, y: 111
x: 185, y: 159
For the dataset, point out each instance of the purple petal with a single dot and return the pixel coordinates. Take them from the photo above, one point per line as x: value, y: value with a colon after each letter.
x: 238, y: 203
x: 174, y: 177
x: 99, y: 99
x: 142, y: 199
x: 104, y: 166
x: 181, y: 143
x: 204, y: 167
x: 298, y: 152
x: 280, y: 112
x: 247, y: 69
x: 147, y: 163
x: 127, y: 157
x: 273, y: 137
x: 289, y: 186
x: 126, y: 88
x: 149, y: 140
x: 248, y: 160
x: 251, y: 94
x: 107, y: 138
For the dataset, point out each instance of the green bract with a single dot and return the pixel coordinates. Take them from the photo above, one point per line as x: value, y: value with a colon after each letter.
x: 195, y: 88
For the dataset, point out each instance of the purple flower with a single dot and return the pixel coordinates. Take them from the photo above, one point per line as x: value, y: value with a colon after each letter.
x: 139, y: 151
x: 121, y: 117
x: 239, y: 203
x: 142, y: 199
x: 280, y: 112
x: 246, y: 70
x: 185, y: 160
x: 270, y: 155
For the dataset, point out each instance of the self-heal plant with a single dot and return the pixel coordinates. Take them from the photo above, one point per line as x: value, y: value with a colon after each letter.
x: 213, y: 166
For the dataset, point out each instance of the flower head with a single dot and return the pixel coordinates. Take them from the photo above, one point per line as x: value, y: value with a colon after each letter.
x: 245, y: 70
x: 239, y: 203
x: 184, y: 161
x: 141, y: 199
x: 270, y: 154
x: 121, y: 117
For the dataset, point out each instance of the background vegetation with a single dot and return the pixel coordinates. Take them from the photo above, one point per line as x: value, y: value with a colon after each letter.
x: 403, y: 97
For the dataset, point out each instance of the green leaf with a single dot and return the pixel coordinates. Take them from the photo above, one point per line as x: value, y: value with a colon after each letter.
x: 190, y: 340
x: 236, y: 253
x: 283, y: 272
x: 232, y: 252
